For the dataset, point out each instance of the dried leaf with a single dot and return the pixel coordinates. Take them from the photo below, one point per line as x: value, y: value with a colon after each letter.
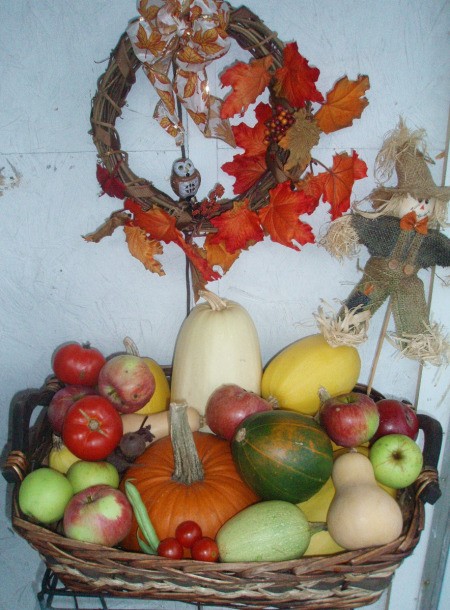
x: 280, y: 218
x: 144, y: 249
x: 344, y: 103
x: 247, y: 171
x: 299, y: 140
x: 217, y: 254
x: 117, y: 219
x: 238, y: 228
x: 295, y: 80
x: 248, y: 81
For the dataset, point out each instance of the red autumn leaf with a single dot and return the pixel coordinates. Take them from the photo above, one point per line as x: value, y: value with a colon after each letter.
x: 246, y: 170
x: 295, y: 80
x: 238, y: 228
x: 111, y: 185
x: 345, y: 102
x: 280, y: 217
x: 336, y: 183
x: 162, y: 227
x: 247, y: 81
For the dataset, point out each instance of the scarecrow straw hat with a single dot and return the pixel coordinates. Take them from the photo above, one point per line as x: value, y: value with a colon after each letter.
x: 405, y: 152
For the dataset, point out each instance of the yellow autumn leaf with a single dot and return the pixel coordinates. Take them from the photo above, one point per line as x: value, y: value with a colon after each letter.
x: 144, y: 249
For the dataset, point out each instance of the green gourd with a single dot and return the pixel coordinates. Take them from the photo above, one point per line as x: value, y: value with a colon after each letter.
x: 282, y: 455
x: 267, y: 531
x: 361, y: 514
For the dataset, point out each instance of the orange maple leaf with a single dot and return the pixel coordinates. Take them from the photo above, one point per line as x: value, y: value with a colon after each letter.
x: 336, y: 184
x: 238, y: 228
x: 295, y: 80
x: 144, y: 249
x: 217, y: 254
x: 280, y: 217
x: 247, y: 170
x: 344, y: 103
x: 161, y: 226
x: 251, y: 139
x: 247, y: 81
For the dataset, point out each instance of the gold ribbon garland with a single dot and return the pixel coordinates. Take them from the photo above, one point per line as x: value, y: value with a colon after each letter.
x: 188, y: 34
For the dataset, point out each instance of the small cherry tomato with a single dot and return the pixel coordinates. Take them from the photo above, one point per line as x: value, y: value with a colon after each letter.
x: 170, y: 548
x: 187, y: 533
x: 92, y: 428
x: 77, y: 364
x: 205, y: 549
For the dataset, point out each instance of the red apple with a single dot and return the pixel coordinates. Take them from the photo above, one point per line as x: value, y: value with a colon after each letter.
x: 62, y: 401
x: 349, y: 419
x: 229, y: 405
x: 127, y: 382
x: 100, y: 514
x: 396, y: 417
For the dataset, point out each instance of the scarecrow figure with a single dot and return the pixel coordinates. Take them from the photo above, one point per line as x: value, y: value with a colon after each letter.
x: 402, y: 236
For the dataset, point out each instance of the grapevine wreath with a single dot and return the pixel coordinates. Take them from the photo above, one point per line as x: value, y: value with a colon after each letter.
x: 277, y: 179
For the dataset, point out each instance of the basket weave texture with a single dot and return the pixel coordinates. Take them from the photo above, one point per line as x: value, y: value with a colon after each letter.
x: 345, y: 580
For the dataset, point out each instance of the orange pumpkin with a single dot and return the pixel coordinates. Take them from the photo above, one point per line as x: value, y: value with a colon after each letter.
x: 187, y: 476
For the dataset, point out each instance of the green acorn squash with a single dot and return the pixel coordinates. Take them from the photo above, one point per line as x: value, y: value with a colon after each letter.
x: 282, y: 455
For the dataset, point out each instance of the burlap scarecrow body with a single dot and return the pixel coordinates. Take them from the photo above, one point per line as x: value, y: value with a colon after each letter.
x: 402, y: 236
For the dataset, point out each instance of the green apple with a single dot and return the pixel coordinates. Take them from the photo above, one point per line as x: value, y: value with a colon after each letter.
x: 44, y: 495
x: 83, y: 474
x: 396, y: 460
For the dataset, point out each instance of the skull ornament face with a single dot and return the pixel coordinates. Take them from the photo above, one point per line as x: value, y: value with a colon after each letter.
x: 185, y: 179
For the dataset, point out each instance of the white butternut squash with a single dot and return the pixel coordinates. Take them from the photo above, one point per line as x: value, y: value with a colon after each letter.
x: 361, y: 514
x: 217, y: 344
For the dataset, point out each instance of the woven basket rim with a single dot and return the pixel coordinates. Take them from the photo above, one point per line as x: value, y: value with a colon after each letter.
x: 113, y: 86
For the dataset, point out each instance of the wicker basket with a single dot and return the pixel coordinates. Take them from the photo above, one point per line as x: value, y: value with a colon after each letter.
x: 345, y: 580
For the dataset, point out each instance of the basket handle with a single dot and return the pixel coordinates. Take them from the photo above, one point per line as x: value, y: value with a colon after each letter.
x: 427, y: 485
x: 22, y: 407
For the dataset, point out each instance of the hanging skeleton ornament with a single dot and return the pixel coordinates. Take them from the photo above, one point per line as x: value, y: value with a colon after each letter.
x: 402, y: 236
x: 185, y: 179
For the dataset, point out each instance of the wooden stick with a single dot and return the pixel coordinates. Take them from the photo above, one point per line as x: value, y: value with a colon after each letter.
x: 387, y: 315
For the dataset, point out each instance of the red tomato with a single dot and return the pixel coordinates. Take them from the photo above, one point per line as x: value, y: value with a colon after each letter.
x: 92, y: 428
x: 170, y: 548
x: 187, y: 533
x: 77, y: 364
x: 205, y: 549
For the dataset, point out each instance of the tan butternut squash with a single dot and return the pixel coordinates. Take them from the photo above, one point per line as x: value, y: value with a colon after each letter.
x: 361, y: 514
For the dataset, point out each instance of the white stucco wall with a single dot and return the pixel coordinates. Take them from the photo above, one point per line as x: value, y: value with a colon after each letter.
x: 55, y: 287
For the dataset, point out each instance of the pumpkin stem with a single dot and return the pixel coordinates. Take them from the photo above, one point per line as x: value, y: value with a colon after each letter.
x: 214, y: 301
x: 188, y: 467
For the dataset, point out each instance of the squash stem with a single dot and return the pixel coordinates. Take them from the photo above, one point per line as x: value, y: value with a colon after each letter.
x: 214, y: 301
x: 187, y: 465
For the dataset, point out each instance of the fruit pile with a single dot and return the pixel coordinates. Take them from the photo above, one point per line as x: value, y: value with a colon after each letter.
x: 212, y: 468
